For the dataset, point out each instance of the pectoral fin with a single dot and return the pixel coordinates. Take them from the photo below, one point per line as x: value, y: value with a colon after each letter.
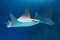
x: 14, y: 21
x: 26, y: 15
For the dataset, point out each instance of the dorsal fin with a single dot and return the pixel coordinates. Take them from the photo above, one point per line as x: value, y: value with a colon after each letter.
x: 36, y: 16
x: 25, y: 15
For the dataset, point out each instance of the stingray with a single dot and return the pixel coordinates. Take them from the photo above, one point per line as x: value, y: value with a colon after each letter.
x: 26, y: 21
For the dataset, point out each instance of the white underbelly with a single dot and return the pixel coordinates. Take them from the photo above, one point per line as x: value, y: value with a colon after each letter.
x: 24, y: 20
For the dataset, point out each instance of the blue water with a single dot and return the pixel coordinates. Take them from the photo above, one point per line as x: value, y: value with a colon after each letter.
x: 40, y: 31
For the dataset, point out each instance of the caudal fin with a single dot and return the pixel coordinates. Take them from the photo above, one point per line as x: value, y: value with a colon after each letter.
x: 47, y: 17
x: 46, y: 20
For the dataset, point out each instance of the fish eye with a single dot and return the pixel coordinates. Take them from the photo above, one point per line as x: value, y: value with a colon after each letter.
x: 34, y: 21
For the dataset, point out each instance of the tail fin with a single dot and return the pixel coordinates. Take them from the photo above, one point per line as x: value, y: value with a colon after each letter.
x: 46, y: 20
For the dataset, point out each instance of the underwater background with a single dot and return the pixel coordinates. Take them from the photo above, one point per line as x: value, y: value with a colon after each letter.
x: 40, y: 31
